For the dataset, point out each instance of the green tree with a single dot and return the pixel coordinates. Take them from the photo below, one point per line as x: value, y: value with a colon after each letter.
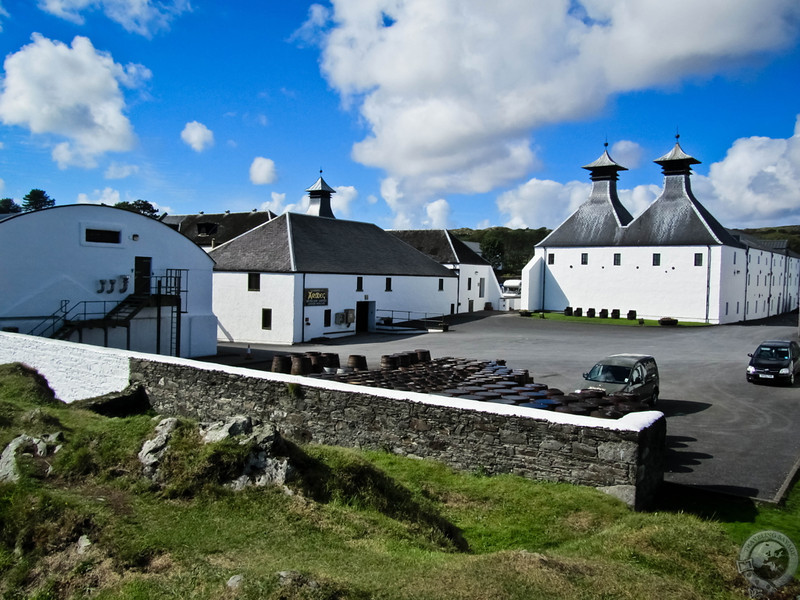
x: 8, y: 206
x: 37, y: 200
x: 493, y: 250
x: 143, y: 207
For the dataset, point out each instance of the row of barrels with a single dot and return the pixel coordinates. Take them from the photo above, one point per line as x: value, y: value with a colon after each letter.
x: 486, y: 381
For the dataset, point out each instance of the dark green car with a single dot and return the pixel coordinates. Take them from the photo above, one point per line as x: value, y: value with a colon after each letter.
x: 635, y: 374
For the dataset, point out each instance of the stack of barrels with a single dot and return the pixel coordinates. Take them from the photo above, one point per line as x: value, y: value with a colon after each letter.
x: 484, y: 381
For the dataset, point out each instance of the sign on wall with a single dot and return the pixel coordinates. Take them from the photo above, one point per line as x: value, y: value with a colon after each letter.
x: 315, y: 297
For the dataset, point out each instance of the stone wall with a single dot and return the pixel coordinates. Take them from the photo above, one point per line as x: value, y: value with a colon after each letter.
x: 624, y: 456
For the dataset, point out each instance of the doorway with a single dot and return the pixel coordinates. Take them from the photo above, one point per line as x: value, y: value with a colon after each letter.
x: 365, y: 316
x: 141, y: 275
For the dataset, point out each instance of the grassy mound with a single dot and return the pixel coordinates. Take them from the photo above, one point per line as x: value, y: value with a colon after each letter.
x: 353, y: 525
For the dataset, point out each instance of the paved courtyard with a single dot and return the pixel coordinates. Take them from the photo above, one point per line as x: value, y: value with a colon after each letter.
x: 724, y: 434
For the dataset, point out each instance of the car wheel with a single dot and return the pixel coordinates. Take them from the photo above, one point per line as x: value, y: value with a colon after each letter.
x: 791, y: 380
x: 654, y: 398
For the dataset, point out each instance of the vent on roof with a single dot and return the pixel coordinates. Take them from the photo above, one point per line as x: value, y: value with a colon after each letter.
x: 207, y: 228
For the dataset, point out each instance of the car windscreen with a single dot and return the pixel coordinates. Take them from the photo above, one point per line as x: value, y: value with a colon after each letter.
x: 773, y: 353
x: 609, y: 373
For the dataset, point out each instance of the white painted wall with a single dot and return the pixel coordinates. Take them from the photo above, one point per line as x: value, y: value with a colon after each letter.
x: 730, y: 285
x: 239, y: 310
x: 478, y: 284
x: 54, y: 262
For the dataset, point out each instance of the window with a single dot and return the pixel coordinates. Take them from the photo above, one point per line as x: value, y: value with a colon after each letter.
x: 551, y: 259
x: 359, y: 284
x: 253, y: 282
x: 584, y: 258
x: 207, y: 228
x: 734, y: 258
x: 726, y: 309
x: 441, y: 284
x: 103, y: 236
x: 266, y: 318
x: 388, y: 284
x: 469, y: 283
x: 737, y: 307
x: 481, y: 287
x: 327, y: 322
x: 698, y: 259
x: 617, y: 259
x: 656, y: 259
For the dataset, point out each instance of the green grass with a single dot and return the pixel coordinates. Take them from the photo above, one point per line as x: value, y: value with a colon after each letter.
x: 358, y: 524
x: 559, y: 316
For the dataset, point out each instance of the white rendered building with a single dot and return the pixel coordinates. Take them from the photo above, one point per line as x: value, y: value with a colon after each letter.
x: 674, y: 260
x: 478, y: 288
x: 106, y: 276
x: 301, y: 277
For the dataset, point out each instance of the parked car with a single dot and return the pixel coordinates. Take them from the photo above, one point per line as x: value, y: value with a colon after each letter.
x: 636, y: 374
x: 774, y: 360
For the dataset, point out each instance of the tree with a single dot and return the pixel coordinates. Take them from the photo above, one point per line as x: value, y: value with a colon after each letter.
x: 8, y: 206
x: 143, y: 207
x: 493, y: 251
x: 37, y: 200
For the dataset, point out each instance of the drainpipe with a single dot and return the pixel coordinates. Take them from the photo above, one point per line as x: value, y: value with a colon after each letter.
x: 708, y: 280
x: 303, y: 311
x: 746, y: 276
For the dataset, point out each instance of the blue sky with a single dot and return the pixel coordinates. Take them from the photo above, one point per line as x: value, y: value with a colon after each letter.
x: 421, y: 113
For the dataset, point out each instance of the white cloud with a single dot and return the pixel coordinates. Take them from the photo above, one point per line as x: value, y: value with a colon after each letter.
x: 541, y: 202
x: 3, y: 13
x: 276, y: 203
x: 137, y: 16
x: 73, y: 92
x: 627, y: 153
x: 451, y: 91
x: 197, y: 136
x: 756, y: 183
x: 107, y: 196
x: 437, y: 214
x: 262, y: 171
x: 2, y: 185
x: 342, y: 199
x: 120, y: 171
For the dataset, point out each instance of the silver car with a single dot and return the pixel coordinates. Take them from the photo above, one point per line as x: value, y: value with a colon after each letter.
x: 635, y: 374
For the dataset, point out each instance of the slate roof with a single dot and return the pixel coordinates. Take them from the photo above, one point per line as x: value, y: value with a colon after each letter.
x: 440, y: 245
x: 217, y: 228
x: 598, y: 221
x: 676, y: 217
x: 299, y: 243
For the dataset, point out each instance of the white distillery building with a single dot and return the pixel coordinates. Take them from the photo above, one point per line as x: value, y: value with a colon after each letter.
x: 478, y: 288
x: 301, y: 277
x: 674, y: 260
x: 106, y: 276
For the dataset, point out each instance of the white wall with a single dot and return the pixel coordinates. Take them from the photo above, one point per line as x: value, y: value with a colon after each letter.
x: 239, y: 310
x: 470, y: 288
x: 54, y: 262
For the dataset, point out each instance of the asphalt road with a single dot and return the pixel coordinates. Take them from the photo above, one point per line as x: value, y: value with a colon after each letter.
x: 724, y: 434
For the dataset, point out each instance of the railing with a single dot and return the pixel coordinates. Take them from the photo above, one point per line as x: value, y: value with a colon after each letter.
x: 409, y: 318
x: 82, y: 311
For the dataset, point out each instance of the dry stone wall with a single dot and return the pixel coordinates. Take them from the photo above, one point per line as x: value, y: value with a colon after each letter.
x: 625, y: 457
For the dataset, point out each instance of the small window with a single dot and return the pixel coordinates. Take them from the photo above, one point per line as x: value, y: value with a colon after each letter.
x: 734, y: 258
x: 388, y: 284
x: 617, y: 259
x: 253, y: 282
x: 359, y: 284
x: 327, y: 318
x: 698, y: 259
x: 266, y: 318
x: 551, y: 259
x: 656, y: 259
x: 103, y: 236
x: 441, y: 284
x: 207, y: 228
x: 469, y: 283
x: 584, y: 258
x: 726, y: 308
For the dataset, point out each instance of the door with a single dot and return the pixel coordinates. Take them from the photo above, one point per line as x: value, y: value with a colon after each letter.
x: 141, y: 275
x: 365, y: 316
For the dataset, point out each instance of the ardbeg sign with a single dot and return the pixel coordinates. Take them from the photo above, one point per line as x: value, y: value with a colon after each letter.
x: 315, y: 297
